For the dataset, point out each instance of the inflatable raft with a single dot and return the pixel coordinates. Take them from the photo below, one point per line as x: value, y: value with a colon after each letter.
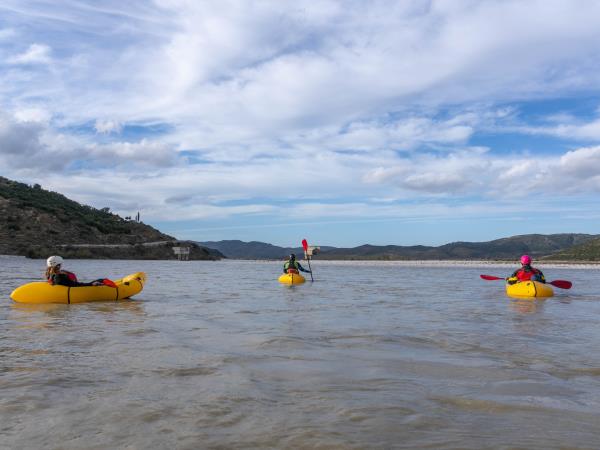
x: 43, y: 292
x: 529, y: 289
x: 291, y: 278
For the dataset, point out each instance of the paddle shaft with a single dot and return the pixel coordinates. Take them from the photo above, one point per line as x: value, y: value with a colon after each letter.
x: 562, y: 284
x: 309, y: 268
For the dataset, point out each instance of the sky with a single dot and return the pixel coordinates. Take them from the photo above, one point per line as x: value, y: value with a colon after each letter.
x: 343, y: 122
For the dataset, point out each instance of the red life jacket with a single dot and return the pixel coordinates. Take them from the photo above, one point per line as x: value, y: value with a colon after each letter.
x: 525, y: 275
x: 71, y: 276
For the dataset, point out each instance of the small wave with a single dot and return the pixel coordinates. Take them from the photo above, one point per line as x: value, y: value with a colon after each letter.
x: 284, y: 341
x: 489, y: 406
x: 186, y: 371
x: 367, y: 413
x: 578, y: 372
x: 141, y: 332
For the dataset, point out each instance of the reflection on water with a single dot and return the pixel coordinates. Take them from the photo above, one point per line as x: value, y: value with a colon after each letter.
x: 394, y: 355
x: 525, y: 306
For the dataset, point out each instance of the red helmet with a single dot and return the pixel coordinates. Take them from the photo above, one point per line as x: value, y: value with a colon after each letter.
x: 525, y: 259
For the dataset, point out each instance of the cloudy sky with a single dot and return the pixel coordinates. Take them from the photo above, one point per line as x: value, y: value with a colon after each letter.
x: 346, y: 122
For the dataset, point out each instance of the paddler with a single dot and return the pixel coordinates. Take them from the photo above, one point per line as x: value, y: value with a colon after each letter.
x: 526, y: 272
x: 293, y: 266
x: 56, y: 276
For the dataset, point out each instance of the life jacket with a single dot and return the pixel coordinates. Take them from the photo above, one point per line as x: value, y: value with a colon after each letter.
x: 526, y: 272
x: 69, y: 275
x: 290, y: 266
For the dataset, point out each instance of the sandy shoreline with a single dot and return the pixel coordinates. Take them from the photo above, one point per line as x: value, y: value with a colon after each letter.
x: 459, y: 263
x: 438, y: 263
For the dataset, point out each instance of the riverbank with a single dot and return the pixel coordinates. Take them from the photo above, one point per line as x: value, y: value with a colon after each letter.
x: 459, y: 263
x: 429, y: 263
x: 162, y: 250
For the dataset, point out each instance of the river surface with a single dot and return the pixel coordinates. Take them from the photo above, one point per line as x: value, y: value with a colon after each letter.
x: 370, y: 355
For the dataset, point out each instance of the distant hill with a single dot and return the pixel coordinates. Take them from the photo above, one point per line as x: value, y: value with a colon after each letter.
x: 250, y: 250
x: 536, y: 245
x: 586, y: 251
x: 36, y: 223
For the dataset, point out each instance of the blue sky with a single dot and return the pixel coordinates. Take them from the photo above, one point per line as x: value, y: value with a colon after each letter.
x: 346, y: 122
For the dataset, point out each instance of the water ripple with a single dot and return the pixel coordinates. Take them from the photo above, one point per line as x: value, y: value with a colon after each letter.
x: 395, y: 356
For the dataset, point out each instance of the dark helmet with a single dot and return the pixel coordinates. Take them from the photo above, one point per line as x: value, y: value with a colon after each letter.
x: 292, y: 256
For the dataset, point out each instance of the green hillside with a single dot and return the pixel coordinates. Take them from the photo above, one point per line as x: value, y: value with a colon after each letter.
x: 587, y: 251
x: 36, y: 222
x: 536, y: 245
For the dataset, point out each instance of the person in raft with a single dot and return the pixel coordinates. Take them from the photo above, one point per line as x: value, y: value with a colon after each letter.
x: 56, y: 276
x: 293, y: 266
x: 526, y: 272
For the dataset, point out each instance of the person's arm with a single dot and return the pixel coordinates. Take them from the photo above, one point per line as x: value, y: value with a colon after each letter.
x: 541, y: 276
x: 62, y: 279
x: 302, y: 269
x: 513, y: 278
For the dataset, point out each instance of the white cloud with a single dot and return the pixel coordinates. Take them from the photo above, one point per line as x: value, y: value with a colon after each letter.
x: 566, y: 128
x: 18, y: 139
x: 7, y: 33
x: 35, y: 54
x: 310, y: 102
x: 270, y: 68
x: 478, y: 173
x: 142, y: 153
x: 108, y: 126
x: 436, y: 182
x: 33, y: 115
x: 401, y: 134
x: 29, y: 143
x: 581, y: 163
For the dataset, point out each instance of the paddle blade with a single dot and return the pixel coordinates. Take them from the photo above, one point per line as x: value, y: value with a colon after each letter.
x: 562, y: 284
x: 107, y: 282
x: 304, y: 244
x: 490, y: 277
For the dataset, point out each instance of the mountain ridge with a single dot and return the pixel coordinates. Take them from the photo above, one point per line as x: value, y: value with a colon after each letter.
x: 508, y: 248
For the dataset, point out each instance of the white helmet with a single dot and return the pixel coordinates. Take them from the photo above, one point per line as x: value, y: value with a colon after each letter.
x: 54, y: 261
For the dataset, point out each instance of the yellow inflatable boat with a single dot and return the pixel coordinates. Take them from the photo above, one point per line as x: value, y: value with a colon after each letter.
x: 43, y: 292
x: 529, y: 289
x: 291, y: 278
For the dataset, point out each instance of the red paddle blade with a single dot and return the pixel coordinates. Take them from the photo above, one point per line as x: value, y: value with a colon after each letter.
x: 304, y: 244
x: 563, y: 284
x: 490, y: 277
x: 108, y: 282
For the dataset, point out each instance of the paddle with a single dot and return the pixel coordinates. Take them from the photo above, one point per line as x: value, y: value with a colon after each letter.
x: 305, y: 247
x: 562, y: 284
